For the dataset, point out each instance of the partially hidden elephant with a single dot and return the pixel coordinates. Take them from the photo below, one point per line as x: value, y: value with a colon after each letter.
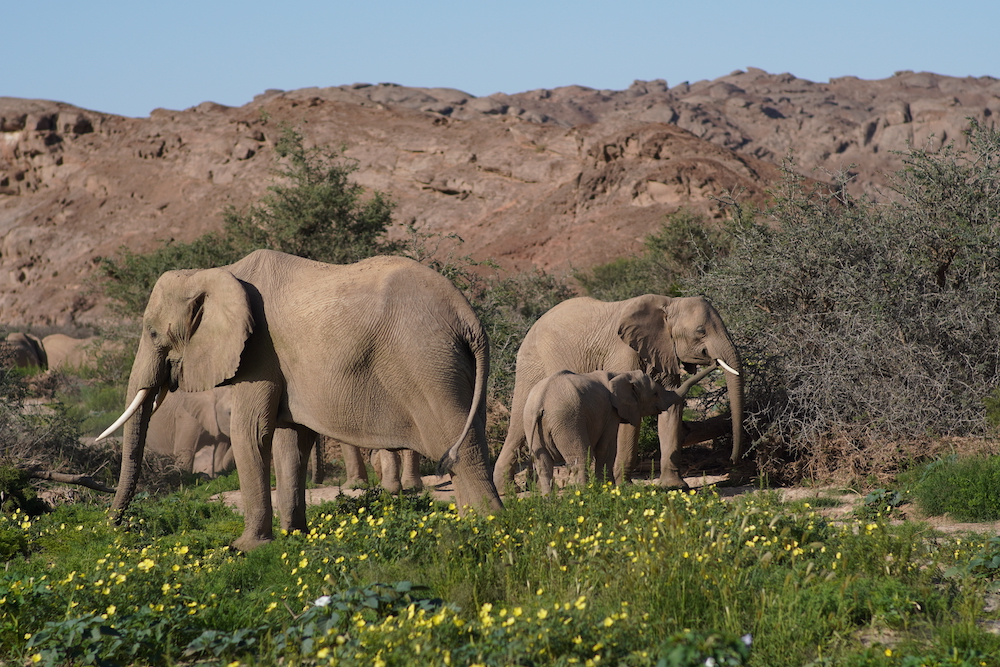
x: 652, y: 333
x: 66, y: 352
x: 571, y: 416
x: 26, y: 350
x: 187, y: 423
x: 396, y: 471
x: 383, y: 354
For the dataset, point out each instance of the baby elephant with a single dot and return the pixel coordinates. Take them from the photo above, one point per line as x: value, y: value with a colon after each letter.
x: 568, y: 416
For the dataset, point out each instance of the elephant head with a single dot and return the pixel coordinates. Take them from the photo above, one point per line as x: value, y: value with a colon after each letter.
x: 636, y: 394
x: 669, y: 333
x: 194, y: 329
x: 26, y: 350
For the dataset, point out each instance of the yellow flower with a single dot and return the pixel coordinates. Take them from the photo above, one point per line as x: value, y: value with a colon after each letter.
x: 888, y: 653
x: 146, y: 565
x: 36, y: 658
x: 111, y: 610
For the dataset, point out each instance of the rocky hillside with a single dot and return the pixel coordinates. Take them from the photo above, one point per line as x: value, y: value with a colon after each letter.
x: 555, y: 179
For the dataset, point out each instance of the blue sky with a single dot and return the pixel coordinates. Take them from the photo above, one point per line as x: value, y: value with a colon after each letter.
x: 130, y: 57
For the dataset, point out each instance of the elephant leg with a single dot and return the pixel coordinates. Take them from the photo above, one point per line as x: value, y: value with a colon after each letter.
x: 254, y: 410
x: 544, y: 465
x: 472, y: 476
x: 187, y: 440
x: 409, y: 477
x: 386, y: 465
x: 515, y: 442
x: 354, y: 463
x: 605, y: 452
x: 223, y: 459
x: 669, y: 429
x: 317, y: 460
x: 291, y: 447
x: 627, y: 453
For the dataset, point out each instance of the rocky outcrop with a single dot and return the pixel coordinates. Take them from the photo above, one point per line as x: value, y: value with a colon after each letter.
x: 555, y: 179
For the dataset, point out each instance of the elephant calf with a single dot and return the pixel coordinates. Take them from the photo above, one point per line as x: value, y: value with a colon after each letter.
x: 571, y: 416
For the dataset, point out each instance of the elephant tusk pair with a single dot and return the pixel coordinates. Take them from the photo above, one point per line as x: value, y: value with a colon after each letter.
x: 129, y: 411
x: 727, y: 367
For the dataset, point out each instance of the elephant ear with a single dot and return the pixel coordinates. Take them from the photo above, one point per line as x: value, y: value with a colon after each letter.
x: 39, y: 347
x: 218, y: 323
x: 645, y: 327
x: 625, y: 399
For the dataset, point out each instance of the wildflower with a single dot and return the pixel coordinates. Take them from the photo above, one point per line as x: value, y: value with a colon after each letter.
x: 146, y: 565
x: 747, y: 639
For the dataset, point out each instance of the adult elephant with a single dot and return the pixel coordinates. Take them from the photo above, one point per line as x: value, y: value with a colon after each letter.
x: 26, y: 350
x: 187, y: 423
x: 384, y: 353
x: 66, y: 352
x: 652, y: 333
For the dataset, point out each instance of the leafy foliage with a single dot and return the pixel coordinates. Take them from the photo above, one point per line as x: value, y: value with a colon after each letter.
x: 685, y: 245
x: 637, y: 577
x: 868, y: 321
x: 965, y: 489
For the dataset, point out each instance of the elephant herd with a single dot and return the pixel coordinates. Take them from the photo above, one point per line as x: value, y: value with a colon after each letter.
x: 387, y: 354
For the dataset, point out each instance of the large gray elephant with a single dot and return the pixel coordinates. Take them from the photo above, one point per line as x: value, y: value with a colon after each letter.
x: 384, y: 353
x: 187, y: 423
x: 652, y: 333
x: 569, y: 416
x: 26, y: 350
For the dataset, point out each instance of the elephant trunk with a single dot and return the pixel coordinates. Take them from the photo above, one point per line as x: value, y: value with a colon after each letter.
x: 734, y: 387
x: 148, y: 375
x: 133, y: 446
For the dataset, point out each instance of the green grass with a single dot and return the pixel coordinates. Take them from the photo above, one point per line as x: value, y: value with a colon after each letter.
x: 965, y: 489
x: 599, y: 575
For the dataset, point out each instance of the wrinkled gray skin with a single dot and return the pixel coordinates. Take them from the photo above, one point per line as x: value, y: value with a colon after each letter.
x: 26, y: 350
x: 397, y: 471
x: 570, y: 416
x: 385, y: 353
x: 651, y: 333
x: 187, y: 422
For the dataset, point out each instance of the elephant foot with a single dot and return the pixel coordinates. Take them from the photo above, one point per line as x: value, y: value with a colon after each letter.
x: 413, y: 485
x: 249, y: 542
x: 672, y: 480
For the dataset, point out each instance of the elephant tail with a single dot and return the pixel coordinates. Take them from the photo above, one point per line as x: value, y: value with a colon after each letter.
x: 480, y: 347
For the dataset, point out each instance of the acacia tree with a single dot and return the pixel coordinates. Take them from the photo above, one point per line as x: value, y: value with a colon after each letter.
x: 870, y: 325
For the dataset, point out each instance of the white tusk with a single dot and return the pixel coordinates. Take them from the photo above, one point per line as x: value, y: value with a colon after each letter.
x: 727, y: 367
x: 129, y: 411
x: 158, y: 401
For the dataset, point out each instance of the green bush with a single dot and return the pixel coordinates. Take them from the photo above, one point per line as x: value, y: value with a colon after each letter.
x: 865, y: 321
x: 685, y: 245
x: 965, y: 489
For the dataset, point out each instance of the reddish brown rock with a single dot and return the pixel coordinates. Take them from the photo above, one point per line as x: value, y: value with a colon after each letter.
x: 548, y: 178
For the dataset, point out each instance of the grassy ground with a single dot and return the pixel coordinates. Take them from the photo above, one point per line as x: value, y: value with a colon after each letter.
x: 599, y: 575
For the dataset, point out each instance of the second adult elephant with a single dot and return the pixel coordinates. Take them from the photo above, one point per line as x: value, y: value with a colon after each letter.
x: 383, y: 354
x: 656, y: 334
